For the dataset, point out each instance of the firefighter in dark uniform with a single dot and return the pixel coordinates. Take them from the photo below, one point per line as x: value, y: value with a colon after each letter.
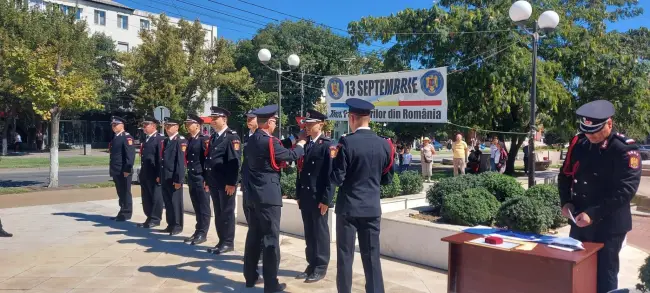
x: 122, y: 157
x: 173, y: 176
x: 265, y: 157
x: 362, y: 162
x: 221, y: 173
x: 150, y: 160
x: 196, y: 147
x: 598, y: 179
x: 251, y: 123
x: 4, y: 233
x: 315, y: 193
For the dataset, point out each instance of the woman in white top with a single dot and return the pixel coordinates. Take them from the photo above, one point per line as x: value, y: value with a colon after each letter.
x: 426, y: 158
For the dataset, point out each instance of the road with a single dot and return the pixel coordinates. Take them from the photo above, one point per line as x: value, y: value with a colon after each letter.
x: 40, y: 177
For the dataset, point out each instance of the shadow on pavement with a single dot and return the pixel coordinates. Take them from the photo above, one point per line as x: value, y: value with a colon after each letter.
x: 22, y: 183
x: 193, y: 271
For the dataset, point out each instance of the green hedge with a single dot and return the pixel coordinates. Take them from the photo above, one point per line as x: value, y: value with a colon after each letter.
x: 644, y: 276
x: 450, y: 185
x: 503, y: 187
x: 288, y: 183
x: 392, y: 190
x: 412, y: 182
x: 474, y: 206
x: 549, y: 196
x: 524, y: 214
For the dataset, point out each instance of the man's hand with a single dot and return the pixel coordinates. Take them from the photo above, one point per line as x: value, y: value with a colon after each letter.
x: 301, y: 142
x: 177, y: 185
x: 583, y: 220
x: 302, y: 135
x: 230, y: 190
x: 158, y: 180
x: 126, y: 174
x: 323, y: 208
x: 567, y: 210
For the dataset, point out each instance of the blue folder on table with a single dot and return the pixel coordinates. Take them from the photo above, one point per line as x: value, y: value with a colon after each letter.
x: 482, y: 230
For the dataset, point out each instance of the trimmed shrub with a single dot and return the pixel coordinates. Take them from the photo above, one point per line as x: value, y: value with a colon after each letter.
x: 288, y: 184
x: 474, y: 206
x: 524, y: 214
x: 549, y: 195
x: 450, y: 185
x: 412, y: 182
x: 503, y: 187
x: 392, y: 190
x: 644, y: 276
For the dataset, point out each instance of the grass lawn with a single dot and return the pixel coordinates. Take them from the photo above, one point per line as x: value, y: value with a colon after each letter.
x: 80, y: 161
x: 15, y: 190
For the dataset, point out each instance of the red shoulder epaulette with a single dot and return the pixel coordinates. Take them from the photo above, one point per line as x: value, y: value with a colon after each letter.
x: 569, y: 169
x: 274, y: 165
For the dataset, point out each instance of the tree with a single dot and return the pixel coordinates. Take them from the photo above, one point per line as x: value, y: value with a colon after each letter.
x: 111, y: 92
x: 490, y: 66
x: 53, y: 69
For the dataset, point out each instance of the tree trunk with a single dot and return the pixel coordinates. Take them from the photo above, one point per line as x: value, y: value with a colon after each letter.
x: 515, y: 143
x: 54, y: 148
x: 5, y: 135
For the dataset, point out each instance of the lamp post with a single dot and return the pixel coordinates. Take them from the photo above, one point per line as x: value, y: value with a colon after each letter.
x: 264, y: 55
x: 302, y: 88
x: 520, y: 12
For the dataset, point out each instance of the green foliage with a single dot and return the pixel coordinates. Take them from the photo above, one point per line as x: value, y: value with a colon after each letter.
x: 288, y: 183
x: 411, y: 181
x: 524, y: 214
x: 471, y: 207
x: 549, y: 196
x: 644, y: 276
x: 503, y: 187
x: 436, y: 193
x: 392, y: 190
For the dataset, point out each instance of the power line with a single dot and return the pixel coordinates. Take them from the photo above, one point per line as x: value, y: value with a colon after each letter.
x: 243, y: 10
x: 221, y: 12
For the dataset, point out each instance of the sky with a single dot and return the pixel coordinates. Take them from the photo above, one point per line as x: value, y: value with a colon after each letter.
x: 244, y: 19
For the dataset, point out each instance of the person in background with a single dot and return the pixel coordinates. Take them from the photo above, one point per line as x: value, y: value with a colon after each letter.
x: 502, y: 158
x: 39, y: 141
x: 494, y: 153
x: 474, y: 159
x: 17, y: 141
x: 426, y: 158
x: 525, y: 150
x: 121, y: 159
x: 460, y: 153
x: 406, y: 160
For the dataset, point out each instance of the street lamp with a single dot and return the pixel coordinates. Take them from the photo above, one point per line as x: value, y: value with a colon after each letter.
x: 520, y: 12
x: 264, y: 55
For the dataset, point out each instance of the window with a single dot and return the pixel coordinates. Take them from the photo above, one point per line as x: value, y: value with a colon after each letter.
x: 79, y: 11
x: 144, y: 24
x: 100, y: 17
x: 122, y: 46
x: 123, y: 22
x: 71, y: 9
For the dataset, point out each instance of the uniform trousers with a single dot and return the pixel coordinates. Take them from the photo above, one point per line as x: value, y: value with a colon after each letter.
x: 200, y: 203
x: 123, y: 188
x: 173, y: 199
x: 263, y: 230
x: 317, y: 240
x: 152, y: 200
x: 224, y: 214
x: 347, y: 229
x: 608, y: 261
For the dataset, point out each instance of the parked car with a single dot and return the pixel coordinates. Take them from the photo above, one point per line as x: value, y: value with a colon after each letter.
x: 645, y: 152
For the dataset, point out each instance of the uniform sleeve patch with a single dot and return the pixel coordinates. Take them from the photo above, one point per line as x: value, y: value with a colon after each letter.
x: 235, y: 144
x: 634, y: 160
x: 129, y: 140
x: 334, y: 150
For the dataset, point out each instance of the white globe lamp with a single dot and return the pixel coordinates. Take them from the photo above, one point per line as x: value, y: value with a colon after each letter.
x: 264, y: 55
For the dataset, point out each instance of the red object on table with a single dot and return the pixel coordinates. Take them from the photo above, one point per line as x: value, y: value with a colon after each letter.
x: 493, y: 240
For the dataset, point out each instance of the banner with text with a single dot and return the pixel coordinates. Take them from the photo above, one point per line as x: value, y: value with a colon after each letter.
x: 408, y: 96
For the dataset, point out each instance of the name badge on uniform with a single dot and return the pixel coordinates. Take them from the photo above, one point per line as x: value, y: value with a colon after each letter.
x: 334, y: 150
x: 235, y: 144
x: 634, y: 161
x: 129, y: 141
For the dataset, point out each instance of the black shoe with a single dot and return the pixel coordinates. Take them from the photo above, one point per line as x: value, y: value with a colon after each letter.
x: 189, y: 240
x: 4, y: 233
x: 121, y: 218
x: 223, y: 249
x: 199, y: 239
x: 166, y: 230
x: 279, y: 288
x: 151, y: 225
x: 176, y: 231
x: 315, y: 277
x: 304, y: 275
x: 259, y: 281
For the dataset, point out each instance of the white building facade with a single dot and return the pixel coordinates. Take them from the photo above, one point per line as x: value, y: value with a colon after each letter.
x: 120, y: 22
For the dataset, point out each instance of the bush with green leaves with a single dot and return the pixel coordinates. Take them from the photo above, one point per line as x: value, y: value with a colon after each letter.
x: 412, y: 182
x: 445, y: 186
x: 288, y: 184
x: 644, y: 276
x: 471, y: 207
x: 392, y: 190
x: 549, y: 195
x: 502, y: 186
x: 525, y: 215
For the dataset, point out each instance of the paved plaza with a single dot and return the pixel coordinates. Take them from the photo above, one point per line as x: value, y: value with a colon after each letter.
x: 74, y: 247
